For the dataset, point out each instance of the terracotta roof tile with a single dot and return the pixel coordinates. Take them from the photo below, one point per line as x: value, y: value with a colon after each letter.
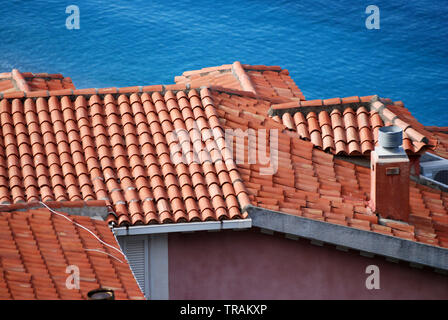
x: 89, y: 151
x: 441, y: 135
x: 350, y: 125
x: 266, y: 81
x: 38, y: 246
x: 27, y: 82
x: 332, y: 190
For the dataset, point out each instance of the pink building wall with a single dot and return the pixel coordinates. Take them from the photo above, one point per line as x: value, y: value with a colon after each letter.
x: 252, y: 265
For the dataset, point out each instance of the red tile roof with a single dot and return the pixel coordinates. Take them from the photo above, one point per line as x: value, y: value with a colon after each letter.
x: 121, y: 148
x: 26, y: 82
x: 349, y: 126
x: 216, y: 76
x: 268, y: 82
x: 273, y: 82
x: 116, y: 144
x: 6, y: 84
x: 36, y: 246
x: 441, y: 134
x: 313, y: 184
x: 118, y: 148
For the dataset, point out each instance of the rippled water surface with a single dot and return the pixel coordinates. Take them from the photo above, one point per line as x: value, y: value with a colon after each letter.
x: 324, y: 44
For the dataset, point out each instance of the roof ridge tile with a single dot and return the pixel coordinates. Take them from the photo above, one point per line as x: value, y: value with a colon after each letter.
x: 242, y: 77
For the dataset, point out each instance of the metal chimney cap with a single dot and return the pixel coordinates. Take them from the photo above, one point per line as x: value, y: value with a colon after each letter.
x: 390, y: 137
x: 101, y: 294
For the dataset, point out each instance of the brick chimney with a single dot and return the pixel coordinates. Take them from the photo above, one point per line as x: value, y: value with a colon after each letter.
x: 389, y: 189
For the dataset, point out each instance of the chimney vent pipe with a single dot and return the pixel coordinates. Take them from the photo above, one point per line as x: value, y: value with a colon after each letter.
x: 390, y: 137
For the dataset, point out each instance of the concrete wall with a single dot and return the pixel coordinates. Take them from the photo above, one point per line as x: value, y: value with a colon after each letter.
x: 252, y: 265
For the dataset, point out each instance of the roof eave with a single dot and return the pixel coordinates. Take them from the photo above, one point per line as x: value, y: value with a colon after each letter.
x: 184, y: 227
x: 357, y: 239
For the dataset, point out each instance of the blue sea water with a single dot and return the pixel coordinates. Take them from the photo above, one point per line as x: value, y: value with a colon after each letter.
x: 324, y: 44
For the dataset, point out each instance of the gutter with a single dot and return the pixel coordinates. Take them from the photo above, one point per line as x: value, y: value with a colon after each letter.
x: 365, y: 241
x: 184, y: 227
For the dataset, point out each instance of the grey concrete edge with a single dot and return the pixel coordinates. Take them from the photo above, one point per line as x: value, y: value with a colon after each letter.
x: 98, y: 213
x: 366, y: 241
x: 183, y: 227
x: 94, y: 212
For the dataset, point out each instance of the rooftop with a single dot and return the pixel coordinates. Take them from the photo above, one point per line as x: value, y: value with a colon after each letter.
x: 37, y: 246
x: 157, y: 155
x: 27, y: 82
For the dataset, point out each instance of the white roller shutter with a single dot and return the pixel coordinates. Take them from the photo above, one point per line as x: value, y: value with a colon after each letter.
x: 136, y: 250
